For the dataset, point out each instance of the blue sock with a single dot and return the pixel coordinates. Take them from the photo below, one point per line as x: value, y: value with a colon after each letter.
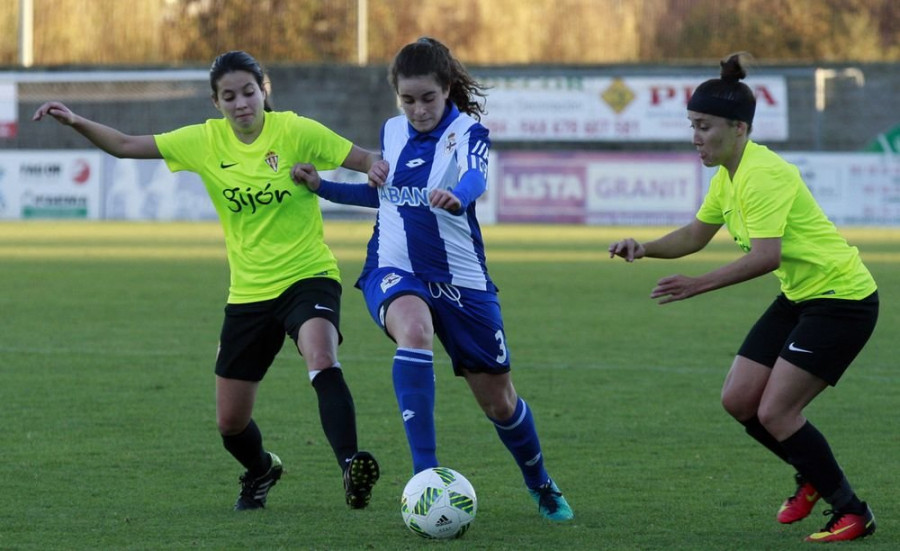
x: 414, y: 387
x: 519, y: 435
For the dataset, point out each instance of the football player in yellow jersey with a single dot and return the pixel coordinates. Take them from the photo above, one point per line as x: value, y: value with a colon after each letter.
x: 284, y: 279
x: 810, y: 334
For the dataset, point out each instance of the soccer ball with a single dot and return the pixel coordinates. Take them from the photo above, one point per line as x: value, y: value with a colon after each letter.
x: 438, y: 503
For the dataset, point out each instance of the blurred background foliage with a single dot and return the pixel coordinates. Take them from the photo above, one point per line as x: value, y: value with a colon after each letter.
x: 484, y: 32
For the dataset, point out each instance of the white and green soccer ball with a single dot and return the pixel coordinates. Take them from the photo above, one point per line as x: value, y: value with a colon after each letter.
x: 438, y: 503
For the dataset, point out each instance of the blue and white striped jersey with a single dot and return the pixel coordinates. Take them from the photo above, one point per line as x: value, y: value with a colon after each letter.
x: 433, y: 244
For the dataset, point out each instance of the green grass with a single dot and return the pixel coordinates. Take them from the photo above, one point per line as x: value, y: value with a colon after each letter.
x: 108, y: 334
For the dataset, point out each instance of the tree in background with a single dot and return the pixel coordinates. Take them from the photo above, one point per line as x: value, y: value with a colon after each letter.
x: 784, y: 30
x: 485, y: 32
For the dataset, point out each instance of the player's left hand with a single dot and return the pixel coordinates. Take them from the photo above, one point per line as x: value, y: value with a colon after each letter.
x: 378, y: 174
x: 674, y: 287
x: 444, y: 199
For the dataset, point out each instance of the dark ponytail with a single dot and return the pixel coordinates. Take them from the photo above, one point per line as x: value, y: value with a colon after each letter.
x: 427, y: 56
x: 726, y: 96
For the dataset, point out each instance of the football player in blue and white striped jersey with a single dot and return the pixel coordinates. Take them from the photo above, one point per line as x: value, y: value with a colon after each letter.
x: 425, y: 272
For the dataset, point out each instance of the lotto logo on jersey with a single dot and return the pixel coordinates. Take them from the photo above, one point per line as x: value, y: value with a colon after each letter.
x: 389, y: 281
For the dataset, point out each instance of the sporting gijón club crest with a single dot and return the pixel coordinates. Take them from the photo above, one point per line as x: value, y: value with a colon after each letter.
x: 272, y: 160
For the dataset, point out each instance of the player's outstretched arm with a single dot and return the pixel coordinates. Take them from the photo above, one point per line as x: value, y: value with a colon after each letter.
x: 106, y: 138
x: 686, y: 240
x: 362, y: 195
x: 361, y: 160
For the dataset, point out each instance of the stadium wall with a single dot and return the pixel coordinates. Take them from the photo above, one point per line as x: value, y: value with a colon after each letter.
x: 830, y: 113
x: 830, y: 108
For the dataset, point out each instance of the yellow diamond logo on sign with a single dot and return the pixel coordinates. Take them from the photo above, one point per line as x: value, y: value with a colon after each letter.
x: 618, y: 95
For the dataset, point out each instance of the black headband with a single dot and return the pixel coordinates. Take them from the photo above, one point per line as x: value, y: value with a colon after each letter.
x: 722, y: 107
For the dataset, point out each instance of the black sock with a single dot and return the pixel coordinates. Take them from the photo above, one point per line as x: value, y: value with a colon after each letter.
x: 811, y: 455
x: 759, y: 433
x: 337, y: 413
x: 247, y: 448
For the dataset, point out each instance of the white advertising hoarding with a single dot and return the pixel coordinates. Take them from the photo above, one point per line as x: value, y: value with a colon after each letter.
x: 50, y: 184
x: 854, y: 189
x: 147, y: 190
x: 597, y: 188
x: 621, y: 109
x: 9, y: 109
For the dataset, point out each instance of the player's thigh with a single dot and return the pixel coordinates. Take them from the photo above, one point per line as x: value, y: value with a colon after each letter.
x: 743, y: 387
x: 249, y: 341
x: 829, y: 335
x: 765, y: 340
x: 470, y: 326
x: 383, y: 286
x: 789, y: 390
x: 408, y: 321
x: 317, y: 298
x: 317, y: 341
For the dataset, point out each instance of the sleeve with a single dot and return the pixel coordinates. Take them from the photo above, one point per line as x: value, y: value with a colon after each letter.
x: 180, y: 147
x: 362, y: 195
x: 473, y: 164
x: 710, y: 211
x: 322, y: 147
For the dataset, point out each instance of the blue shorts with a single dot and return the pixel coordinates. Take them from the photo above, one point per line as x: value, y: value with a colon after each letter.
x: 466, y: 321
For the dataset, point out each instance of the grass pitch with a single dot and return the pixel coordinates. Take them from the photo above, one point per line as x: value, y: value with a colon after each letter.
x: 108, y: 334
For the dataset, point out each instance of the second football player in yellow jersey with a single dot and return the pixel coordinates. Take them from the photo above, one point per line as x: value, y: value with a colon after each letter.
x: 810, y: 334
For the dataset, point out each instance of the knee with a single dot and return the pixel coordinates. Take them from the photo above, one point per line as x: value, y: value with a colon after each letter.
x: 414, y: 334
x: 738, y: 407
x: 317, y: 360
x: 230, y: 424
x: 500, y: 405
x: 500, y: 410
x: 770, y: 418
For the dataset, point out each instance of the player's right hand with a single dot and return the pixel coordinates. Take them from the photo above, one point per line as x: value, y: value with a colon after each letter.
x: 629, y: 249
x: 56, y: 110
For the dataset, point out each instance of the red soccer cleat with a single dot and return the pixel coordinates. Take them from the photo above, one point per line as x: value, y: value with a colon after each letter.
x: 798, y: 506
x: 845, y: 526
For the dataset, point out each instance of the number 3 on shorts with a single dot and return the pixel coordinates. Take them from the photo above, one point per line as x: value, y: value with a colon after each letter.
x: 502, y: 342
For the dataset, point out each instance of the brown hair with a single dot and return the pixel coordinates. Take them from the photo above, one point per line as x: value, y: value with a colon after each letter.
x: 427, y: 56
x: 237, y: 60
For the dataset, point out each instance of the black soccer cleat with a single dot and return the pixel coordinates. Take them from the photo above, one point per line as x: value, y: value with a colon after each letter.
x: 254, y: 491
x: 360, y: 476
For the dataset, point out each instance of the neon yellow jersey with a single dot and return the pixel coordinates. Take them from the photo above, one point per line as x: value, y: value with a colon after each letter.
x: 768, y: 198
x: 273, y: 228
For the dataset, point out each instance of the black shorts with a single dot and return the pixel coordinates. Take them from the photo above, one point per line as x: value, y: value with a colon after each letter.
x: 253, y: 333
x: 821, y: 336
